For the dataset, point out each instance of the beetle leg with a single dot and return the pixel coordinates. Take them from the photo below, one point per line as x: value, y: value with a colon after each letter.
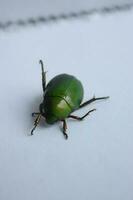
x: 64, y: 128
x: 81, y: 118
x: 92, y: 100
x: 36, y: 122
x: 34, y: 114
x: 43, y: 76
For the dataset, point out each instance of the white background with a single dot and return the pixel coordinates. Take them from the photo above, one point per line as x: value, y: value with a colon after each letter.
x: 96, y: 161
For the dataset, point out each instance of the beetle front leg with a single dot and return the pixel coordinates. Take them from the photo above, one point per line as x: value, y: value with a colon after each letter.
x: 64, y: 128
x: 34, y: 114
x: 81, y: 118
x: 36, y: 122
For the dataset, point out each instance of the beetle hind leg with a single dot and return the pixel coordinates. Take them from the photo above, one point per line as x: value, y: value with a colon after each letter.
x: 64, y: 129
x: 92, y: 100
x: 43, y: 76
x: 81, y: 118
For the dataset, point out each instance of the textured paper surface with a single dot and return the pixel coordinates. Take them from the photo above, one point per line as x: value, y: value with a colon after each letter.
x: 96, y: 161
x: 23, y: 10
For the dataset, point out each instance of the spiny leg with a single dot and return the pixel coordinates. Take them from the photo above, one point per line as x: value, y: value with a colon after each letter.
x: 92, y: 100
x: 43, y: 76
x: 35, y: 113
x: 81, y: 118
x: 36, y: 122
x: 64, y: 128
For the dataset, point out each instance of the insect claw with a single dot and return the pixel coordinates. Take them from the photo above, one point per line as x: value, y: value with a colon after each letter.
x: 32, y: 131
x: 66, y: 136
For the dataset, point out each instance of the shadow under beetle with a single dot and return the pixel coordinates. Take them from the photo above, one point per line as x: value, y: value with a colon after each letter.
x: 61, y: 96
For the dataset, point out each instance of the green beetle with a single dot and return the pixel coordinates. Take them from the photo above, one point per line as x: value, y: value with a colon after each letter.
x: 61, y: 96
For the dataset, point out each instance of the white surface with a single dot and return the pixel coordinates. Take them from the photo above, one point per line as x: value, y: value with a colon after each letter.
x: 96, y: 161
x: 17, y: 9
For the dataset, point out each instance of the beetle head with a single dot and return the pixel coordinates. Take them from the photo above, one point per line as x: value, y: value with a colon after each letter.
x: 50, y: 118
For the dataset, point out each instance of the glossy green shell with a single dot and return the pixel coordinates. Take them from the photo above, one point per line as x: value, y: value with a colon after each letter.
x: 63, y: 94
